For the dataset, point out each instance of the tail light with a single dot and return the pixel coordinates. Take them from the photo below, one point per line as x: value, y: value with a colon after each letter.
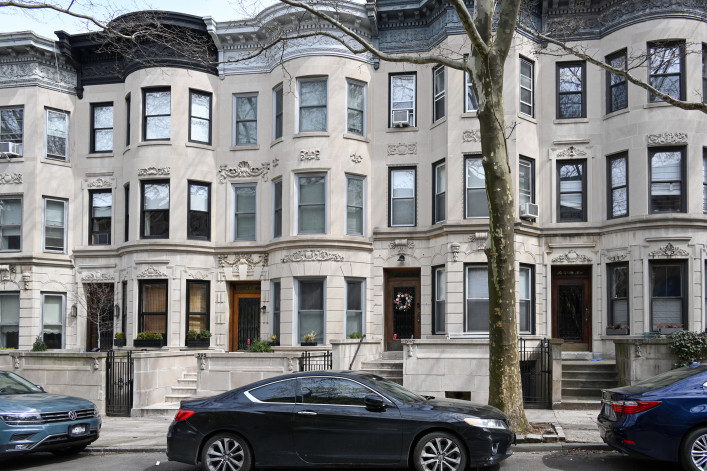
x: 183, y: 414
x: 633, y: 407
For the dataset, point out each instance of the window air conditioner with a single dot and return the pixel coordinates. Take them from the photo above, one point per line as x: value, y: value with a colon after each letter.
x: 11, y: 149
x: 401, y: 118
x: 529, y: 210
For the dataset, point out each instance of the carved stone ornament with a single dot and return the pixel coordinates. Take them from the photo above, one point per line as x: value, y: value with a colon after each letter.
x: 242, y: 259
x: 96, y: 277
x: 617, y: 258
x: 197, y: 275
x: 478, y: 241
x: 275, y: 162
x: 202, y: 360
x: 154, y: 172
x: 669, y: 251
x: 471, y: 135
x: 667, y: 139
x: 312, y: 256
x: 308, y: 154
x: 571, y: 152
x: 151, y: 272
x: 243, y: 170
x: 401, y: 246
x: 572, y: 257
x: 15, y: 361
x: 454, y: 248
x: 356, y: 158
x: 402, y: 149
x: 101, y: 183
x: 8, y: 178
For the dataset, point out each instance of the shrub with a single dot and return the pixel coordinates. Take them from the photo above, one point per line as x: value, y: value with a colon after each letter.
x: 204, y: 334
x: 355, y: 335
x: 39, y: 345
x: 260, y: 346
x: 192, y: 334
x: 149, y: 336
x: 120, y: 335
x: 688, y: 346
x: 310, y: 336
x: 198, y: 335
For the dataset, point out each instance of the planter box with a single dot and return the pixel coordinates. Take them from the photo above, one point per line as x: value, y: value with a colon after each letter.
x: 617, y: 331
x: 670, y: 330
x: 149, y: 343
x: 118, y: 342
x: 198, y: 343
x: 309, y: 344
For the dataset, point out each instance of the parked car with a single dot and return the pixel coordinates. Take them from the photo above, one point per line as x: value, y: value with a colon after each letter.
x: 33, y: 420
x: 663, y: 417
x: 336, y: 419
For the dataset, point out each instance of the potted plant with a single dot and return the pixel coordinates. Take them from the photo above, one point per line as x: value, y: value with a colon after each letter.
x: 617, y: 329
x: 274, y: 341
x: 667, y: 329
x: 309, y: 339
x: 119, y: 339
x: 39, y: 345
x: 198, y: 339
x: 149, y: 340
x: 355, y: 335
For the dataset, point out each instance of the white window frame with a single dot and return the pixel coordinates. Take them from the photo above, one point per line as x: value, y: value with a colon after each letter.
x: 392, y: 198
x: 439, y: 277
x: 300, y: 81
x: 437, y: 193
x: 530, y: 300
x: 362, y: 207
x: 234, y: 189
x: 469, y: 88
x: 362, y: 284
x: 275, y: 310
x: 95, y: 130
x: 364, y: 85
x: 391, y: 105
x: 5, y: 324
x: 530, y: 89
x: 277, y: 213
x: 66, y: 137
x: 467, y: 268
x: 321, y: 337
x: 63, y: 316
x: 439, y: 74
x: 194, y: 118
x: 467, y: 201
x: 5, y: 137
x: 530, y: 192
x: 64, y: 202
x: 12, y: 197
x: 275, y: 92
x: 298, y: 204
x: 236, y: 97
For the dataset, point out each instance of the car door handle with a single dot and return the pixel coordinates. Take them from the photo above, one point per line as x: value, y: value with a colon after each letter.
x: 307, y: 412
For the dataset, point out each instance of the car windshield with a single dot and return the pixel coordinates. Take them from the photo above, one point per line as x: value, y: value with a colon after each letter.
x: 395, y: 390
x: 10, y: 383
x: 669, y: 377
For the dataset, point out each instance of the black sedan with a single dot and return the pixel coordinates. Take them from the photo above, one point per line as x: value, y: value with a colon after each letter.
x: 663, y: 417
x: 336, y: 419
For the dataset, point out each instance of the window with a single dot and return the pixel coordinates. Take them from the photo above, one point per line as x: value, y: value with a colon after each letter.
x: 277, y: 209
x: 617, y: 177
x: 276, y: 309
x: 572, y: 199
x: 354, y: 205
x: 197, y: 305
x: 199, y: 217
x: 199, y: 117
x: 704, y: 181
x: 616, y: 85
x: 312, y: 105
x: 527, y: 94
x: 438, y: 93
x: 245, y: 119
x: 403, y: 200
x: 475, y: 203
x: 53, y: 308
x: 310, y: 309
x: 668, y: 300
x: 571, y: 92
x: 439, y: 206
x: 704, y: 73
x: 667, y: 168
x: 526, y: 180
x: 333, y: 391
x: 152, y: 315
x: 439, y: 300
x: 471, y: 104
x: 54, y: 225
x: 618, y: 294
x: 57, y: 135
x: 102, y: 127
x: 666, y: 71
x: 403, y: 89
x: 356, y: 108
x: 10, y: 320
x: 355, y: 319
x: 157, y: 114
x: 526, y: 298
x: 279, y: 391
x: 127, y: 121
x: 476, y: 307
x: 101, y: 206
x: 10, y: 223
x: 126, y: 216
x: 12, y: 126
x: 311, y: 204
x: 155, y: 210
x: 277, y: 112
x: 244, y: 209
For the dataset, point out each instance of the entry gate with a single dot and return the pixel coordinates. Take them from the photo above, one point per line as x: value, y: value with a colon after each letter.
x: 315, y: 362
x: 119, y: 384
x: 536, y: 373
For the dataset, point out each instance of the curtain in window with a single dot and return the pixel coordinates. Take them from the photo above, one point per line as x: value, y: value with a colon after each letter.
x: 199, y: 197
x: 154, y: 297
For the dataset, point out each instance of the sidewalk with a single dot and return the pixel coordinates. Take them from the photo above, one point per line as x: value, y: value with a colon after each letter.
x: 575, y: 428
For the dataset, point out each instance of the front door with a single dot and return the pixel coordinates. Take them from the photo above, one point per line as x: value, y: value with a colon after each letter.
x: 99, y: 315
x: 245, y: 316
x: 572, y: 307
x: 402, y: 307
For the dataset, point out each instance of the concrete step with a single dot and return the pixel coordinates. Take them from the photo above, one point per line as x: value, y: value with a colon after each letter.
x: 576, y: 393
x: 188, y: 375
x: 176, y: 398
x: 589, y: 374
x: 188, y: 390
x: 382, y: 365
x: 163, y: 409
x: 393, y: 355
x: 589, y: 383
x: 580, y: 404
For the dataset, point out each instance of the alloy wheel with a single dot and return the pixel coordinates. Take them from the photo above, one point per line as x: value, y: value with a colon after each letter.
x: 698, y: 452
x: 225, y: 454
x: 440, y: 454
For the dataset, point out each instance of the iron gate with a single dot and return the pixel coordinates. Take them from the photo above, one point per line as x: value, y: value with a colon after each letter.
x: 119, y: 384
x: 315, y: 362
x: 536, y: 373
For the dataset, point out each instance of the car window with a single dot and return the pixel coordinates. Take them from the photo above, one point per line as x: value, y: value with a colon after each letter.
x: 336, y: 391
x: 280, y: 391
x: 394, y: 389
x: 669, y: 377
x: 10, y: 383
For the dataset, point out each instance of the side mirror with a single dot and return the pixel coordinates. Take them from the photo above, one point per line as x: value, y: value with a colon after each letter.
x: 374, y: 402
x: 40, y: 388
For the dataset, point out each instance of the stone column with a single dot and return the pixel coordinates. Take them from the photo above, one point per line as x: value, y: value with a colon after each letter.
x: 556, y: 352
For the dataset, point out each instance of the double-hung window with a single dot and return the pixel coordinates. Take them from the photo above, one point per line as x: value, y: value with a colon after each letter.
x: 668, y: 294
x: 439, y: 300
x: 403, y: 198
x: 618, y: 294
x: 311, y: 204
x: 155, y: 210
x: 403, y: 90
x: 244, y: 204
x: 354, y: 204
x: 9, y: 320
x: 53, y: 309
x: 476, y: 294
x: 127, y: 121
x: 471, y: 104
x: 312, y: 105
x: 527, y: 94
x: 704, y: 73
x: 152, y: 314
x: 616, y: 85
x: 245, y: 119
x: 526, y: 180
x: 157, y: 114
x: 277, y: 112
x: 572, y: 195
x: 704, y: 181
x: 10, y: 223
x: 526, y: 298
x: 55, y: 225
x: 277, y: 208
x: 310, y: 308
x: 571, y: 90
x: 439, y: 205
x: 617, y: 178
x: 100, y: 208
x: 667, y: 173
x: 102, y: 127
x: 355, y: 311
x: 126, y: 213
x: 666, y: 69
x: 57, y: 134
x: 12, y: 126
x: 199, y: 216
x: 439, y: 93
x: 200, y: 117
x: 276, y: 309
x: 197, y: 305
x: 355, y: 107
x: 475, y: 202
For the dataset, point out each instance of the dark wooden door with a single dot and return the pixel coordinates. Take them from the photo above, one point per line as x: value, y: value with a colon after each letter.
x: 401, y: 321
x: 572, y: 306
x: 244, y: 322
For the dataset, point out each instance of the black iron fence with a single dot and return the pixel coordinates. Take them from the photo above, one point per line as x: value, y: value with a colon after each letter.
x: 315, y: 361
x: 119, y: 383
x: 536, y: 373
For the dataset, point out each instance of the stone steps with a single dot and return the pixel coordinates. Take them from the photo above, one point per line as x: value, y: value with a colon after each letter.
x: 583, y: 381
x: 389, y: 369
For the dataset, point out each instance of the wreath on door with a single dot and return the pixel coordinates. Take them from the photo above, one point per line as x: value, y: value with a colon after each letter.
x: 402, y: 302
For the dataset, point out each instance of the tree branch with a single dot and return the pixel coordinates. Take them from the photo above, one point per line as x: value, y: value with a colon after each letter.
x: 468, y: 22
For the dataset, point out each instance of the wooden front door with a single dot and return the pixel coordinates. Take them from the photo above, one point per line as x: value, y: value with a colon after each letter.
x: 402, y: 287
x: 572, y: 307
x: 245, y: 316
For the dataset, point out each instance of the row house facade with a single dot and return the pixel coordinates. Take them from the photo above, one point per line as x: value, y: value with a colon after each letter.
x: 313, y: 190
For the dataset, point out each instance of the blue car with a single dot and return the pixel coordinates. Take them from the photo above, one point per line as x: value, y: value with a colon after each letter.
x: 33, y: 420
x: 663, y: 417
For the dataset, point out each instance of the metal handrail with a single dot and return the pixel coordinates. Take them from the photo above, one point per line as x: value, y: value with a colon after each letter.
x: 357, y: 349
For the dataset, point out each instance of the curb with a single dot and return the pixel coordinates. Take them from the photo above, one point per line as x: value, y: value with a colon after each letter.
x: 126, y: 449
x: 559, y: 446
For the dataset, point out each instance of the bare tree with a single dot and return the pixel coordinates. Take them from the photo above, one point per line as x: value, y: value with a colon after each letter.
x: 96, y: 301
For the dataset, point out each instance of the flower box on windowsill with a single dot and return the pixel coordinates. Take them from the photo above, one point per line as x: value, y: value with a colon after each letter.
x: 151, y: 343
x: 198, y: 343
x: 118, y: 342
x: 309, y: 344
x: 669, y: 330
x: 617, y: 331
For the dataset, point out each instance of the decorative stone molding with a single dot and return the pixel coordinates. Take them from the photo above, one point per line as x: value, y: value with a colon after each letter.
x: 243, y: 170
x: 202, y: 360
x: 308, y: 154
x: 356, y: 158
x: 402, y: 149
x: 310, y: 255
x: 97, y: 277
x: 667, y: 139
x: 617, y: 258
x: 275, y: 162
x: 401, y: 246
x: 242, y: 259
x: 571, y: 152
x: 10, y: 178
x: 478, y: 241
x: 151, y: 272
x: 15, y: 361
x: 454, y: 248
x: 411, y: 346
x: 101, y: 183
x: 96, y: 365
x: 197, y: 275
x: 572, y: 257
x: 7, y: 272
x: 471, y: 135
x: 669, y: 251
x: 154, y: 172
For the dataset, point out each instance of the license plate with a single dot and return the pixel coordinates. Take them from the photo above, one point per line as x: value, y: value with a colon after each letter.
x: 78, y: 430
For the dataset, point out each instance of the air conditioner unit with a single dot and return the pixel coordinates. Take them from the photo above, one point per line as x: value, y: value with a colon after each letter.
x: 529, y: 210
x: 401, y: 118
x: 11, y: 149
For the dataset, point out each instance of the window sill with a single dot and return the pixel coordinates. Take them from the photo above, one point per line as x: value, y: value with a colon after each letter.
x: 10, y: 160
x: 403, y: 129
x: 245, y: 147
x: 439, y: 122
x: 154, y: 143
x: 61, y: 163
x: 356, y: 137
x: 276, y: 142
x: 616, y: 113
x: 198, y: 145
x: 98, y: 155
x: 470, y: 114
x: 570, y: 120
x: 527, y: 118
x: 311, y: 134
x: 657, y: 104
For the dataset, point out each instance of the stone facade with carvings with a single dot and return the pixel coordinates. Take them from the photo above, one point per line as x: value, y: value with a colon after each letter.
x: 301, y: 220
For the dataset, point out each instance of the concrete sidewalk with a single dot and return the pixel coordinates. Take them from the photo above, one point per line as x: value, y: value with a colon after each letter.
x: 575, y: 428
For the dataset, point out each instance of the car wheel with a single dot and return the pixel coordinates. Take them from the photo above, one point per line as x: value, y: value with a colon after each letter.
x: 439, y: 451
x: 693, y: 453
x: 72, y: 450
x: 226, y: 452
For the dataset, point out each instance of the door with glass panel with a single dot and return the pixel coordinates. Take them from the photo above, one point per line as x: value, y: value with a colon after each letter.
x: 572, y: 306
x: 402, y: 306
x: 245, y: 316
